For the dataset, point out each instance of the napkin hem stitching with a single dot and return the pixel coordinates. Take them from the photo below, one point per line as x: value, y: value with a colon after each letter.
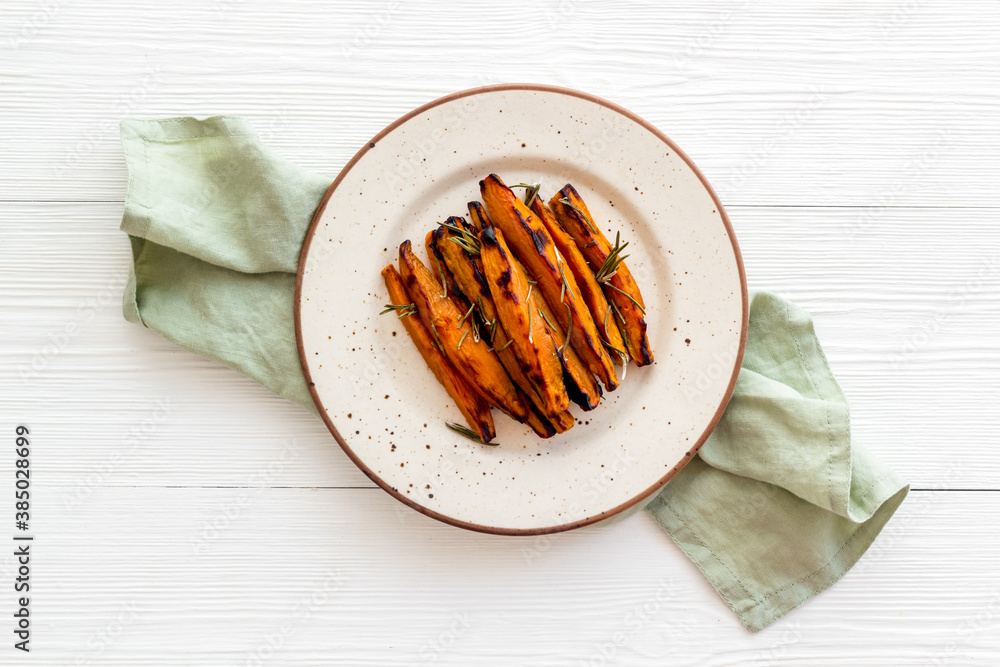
x: 846, y: 544
x: 774, y: 614
x: 696, y: 536
x: 815, y: 388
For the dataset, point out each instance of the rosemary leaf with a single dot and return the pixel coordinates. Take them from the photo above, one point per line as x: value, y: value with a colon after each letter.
x: 569, y: 329
x: 546, y: 318
x: 565, y: 285
x: 612, y: 261
x: 465, y: 239
x: 629, y: 297
x: 462, y: 340
x: 506, y: 345
x: 618, y: 314
x: 465, y: 317
x: 436, y: 337
x: 469, y: 433
x: 401, y: 310
x: 444, y: 284
x: 583, y: 216
x: 531, y: 191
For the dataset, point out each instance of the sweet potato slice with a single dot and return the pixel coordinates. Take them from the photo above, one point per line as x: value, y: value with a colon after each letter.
x: 542, y: 427
x: 581, y: 385
x: 590, y: 289
x: 440, y: 270
x: 509, y: 287
x: 536, y: 249
x: 471, y: 356
x: 478, y: 218
x: 620, y: 288
x: 470, y: 402
x: 467, y: 269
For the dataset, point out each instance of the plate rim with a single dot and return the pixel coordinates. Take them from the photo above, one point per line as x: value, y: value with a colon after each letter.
x: 494, y: 530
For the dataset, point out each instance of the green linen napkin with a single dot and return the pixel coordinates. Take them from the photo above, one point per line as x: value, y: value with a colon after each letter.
x: 779, y: 503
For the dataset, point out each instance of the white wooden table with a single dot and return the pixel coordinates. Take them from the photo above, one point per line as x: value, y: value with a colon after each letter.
x: 185, y: 516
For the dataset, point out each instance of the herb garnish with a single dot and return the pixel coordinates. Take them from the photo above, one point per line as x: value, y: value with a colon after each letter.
x: 629, y: 297
x: 402, y: 310
x: 444, y: 284
x: 546, y: 318
x: 530, y: 192
x: 612, y: 261
x: 583, y: 216
x: 469, y: 433
x: 569, y: 329
x: 466, y: 316
x: 466, y: 240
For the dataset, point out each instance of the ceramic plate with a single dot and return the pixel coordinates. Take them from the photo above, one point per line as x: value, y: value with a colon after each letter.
x: 384, y: 406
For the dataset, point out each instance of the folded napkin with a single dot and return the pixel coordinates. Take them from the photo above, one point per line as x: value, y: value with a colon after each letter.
x: 777, y: 506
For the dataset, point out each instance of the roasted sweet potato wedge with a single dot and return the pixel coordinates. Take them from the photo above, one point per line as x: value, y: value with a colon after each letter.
x: 440, y: 270
x: 590, y: 289
x: 467, y: 268
x: 471, y: 356
x: 534, y: 246
x: 526, y: 328
x: 470, y: 402
x: 620, y: 287
x: 581, y: 385
x: 542, y: 427
x: 477, y: 217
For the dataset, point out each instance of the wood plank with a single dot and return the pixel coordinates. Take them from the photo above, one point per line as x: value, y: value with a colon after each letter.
x: 871, y: 105
x: 349, y: 577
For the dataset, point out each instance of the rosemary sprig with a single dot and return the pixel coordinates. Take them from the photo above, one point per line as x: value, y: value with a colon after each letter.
x: 444, y: 283
x: 612, y: 261
x: 466, y: 316
x: 402, y: 310
x: 462, y: 340
x: 620, y: 353
x: 618, y: 314
x: 530, y: 192
x: 583, y: 216
x: 565, y: 285
x: 629, y: 297
x: 436, y: 337
x: 469, y: 433
x: 546, y: 318
x: 466, y: 240
x: 569, y: 329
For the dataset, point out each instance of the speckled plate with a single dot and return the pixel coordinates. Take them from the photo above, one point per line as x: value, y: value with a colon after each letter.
x: 382, y: 403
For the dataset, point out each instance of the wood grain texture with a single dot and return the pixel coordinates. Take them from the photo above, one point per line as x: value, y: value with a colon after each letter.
x: 860, y: 104
x: 350, y: 577
x: 186, y: 516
